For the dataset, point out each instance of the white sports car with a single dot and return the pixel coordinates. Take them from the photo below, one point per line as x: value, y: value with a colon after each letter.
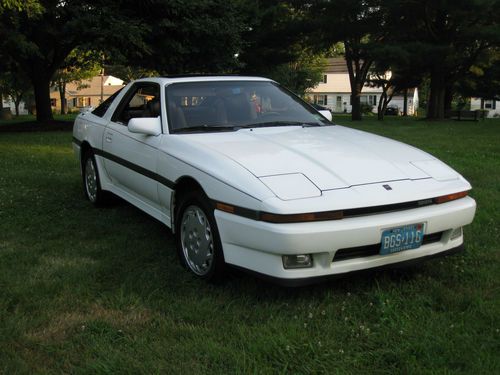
x: 247, y: 174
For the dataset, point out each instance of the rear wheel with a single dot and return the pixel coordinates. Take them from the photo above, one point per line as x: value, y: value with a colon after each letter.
x: 91, y: 182
x: 197, y: 237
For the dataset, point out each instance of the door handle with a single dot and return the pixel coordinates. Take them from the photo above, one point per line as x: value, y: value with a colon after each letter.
x: 109, y: 137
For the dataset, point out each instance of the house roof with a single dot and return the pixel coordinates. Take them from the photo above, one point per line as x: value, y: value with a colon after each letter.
x: 92, y: 87
x: 336, y: 65
x: 411, y: 93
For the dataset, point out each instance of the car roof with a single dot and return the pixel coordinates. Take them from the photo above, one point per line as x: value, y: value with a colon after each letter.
x: 202, y: 78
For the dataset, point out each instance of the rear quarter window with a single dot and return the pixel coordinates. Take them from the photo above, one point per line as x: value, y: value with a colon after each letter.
x: 103, y: 107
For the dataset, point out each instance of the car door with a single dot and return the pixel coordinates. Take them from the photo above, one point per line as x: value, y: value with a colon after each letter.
x: 131, y: 158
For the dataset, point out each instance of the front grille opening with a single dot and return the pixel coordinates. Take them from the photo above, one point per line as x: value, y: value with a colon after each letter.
x: 370, y: 250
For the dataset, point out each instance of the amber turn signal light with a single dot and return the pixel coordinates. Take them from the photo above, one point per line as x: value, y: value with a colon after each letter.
x: 300, y: 218
x: 224, y: 207
x: 450, y: 197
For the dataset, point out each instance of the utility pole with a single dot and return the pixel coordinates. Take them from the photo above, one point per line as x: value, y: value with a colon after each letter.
x: 102, y: 80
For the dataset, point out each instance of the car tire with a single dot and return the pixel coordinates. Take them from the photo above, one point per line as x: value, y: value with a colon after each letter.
x: 197, y: 237
x: 91, y: 181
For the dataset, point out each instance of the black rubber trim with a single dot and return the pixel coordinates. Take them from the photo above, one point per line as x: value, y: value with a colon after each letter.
x: 318, y: 279
x: 258, y: 215
x: 77, y: 141
x: 136, y: 168
x: 353, y: 212
x: 374, y: 249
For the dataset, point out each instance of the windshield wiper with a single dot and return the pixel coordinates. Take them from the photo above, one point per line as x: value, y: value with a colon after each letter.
x: 206, y: 128
x: 278, y: 123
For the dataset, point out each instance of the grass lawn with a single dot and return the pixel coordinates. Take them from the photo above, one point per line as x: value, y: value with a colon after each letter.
x: 29, y: 118
x: 85, y: 290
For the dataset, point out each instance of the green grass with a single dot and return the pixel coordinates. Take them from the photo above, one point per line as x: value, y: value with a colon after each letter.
x: 85, y: 290
x: 29, y: 118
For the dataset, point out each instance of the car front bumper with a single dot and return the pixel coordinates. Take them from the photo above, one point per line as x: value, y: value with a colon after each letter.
x: 259, y: 246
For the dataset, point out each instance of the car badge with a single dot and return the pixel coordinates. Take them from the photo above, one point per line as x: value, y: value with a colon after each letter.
x: 387, y: 187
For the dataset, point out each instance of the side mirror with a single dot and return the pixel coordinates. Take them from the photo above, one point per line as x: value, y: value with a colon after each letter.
x: 326, y: 113
x: 145, y: 125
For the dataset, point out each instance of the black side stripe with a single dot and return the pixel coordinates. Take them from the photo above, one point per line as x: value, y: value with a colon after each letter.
x: 255, y: 214
x: 134, y: 167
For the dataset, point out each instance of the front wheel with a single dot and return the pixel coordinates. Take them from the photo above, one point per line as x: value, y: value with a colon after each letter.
x: 197, y: 238
x: 91, y: 182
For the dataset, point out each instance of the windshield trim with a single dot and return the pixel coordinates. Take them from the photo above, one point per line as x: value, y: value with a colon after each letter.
x: 234, y: 127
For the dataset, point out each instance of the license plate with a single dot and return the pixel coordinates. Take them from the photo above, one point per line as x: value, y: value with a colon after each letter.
x: 399, y: 239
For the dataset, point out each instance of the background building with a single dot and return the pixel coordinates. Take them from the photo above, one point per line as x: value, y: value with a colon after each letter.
x: 86, y: 93
x: 334, y: 92
x: 492, y: 106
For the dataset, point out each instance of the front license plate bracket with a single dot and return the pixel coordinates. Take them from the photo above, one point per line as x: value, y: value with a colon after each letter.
x: 402, y: 238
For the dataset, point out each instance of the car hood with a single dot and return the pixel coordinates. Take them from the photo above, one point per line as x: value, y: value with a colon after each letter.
x: 332, y: 157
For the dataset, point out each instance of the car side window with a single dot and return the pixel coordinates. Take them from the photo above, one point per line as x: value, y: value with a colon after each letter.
x: 103, y: 107
x: 141, y: 101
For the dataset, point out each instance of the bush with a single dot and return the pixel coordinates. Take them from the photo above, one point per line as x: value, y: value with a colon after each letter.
x: 366, y: 109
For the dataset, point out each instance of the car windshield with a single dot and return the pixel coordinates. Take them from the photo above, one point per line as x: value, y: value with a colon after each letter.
x: 233, y: 105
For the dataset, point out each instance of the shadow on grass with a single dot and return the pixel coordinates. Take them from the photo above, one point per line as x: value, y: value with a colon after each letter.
x: 145, y: 273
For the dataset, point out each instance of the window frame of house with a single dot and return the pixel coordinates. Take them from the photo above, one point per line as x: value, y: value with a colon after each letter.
x: 489, y: 104
x: 325, y: 78
x: 321, y: 99
x: 82, y: 101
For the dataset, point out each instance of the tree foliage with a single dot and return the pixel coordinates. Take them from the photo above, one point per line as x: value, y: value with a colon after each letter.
x: 78, y: 66
x: 358, y: 24
x: 445, y: 39
x: 15, y: 85
x: 303, y: 73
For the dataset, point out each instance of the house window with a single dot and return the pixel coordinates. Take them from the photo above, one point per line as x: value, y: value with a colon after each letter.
x: 53, y: 102
x: 82, y: 101
x: 490, y: 104
x: 325, y: 78
x: 321, y: 99
x: 368, y: 99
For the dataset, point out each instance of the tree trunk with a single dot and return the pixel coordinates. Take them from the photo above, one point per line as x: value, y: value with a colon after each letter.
x: 16, y: 104
x: 448, y: 98
x: 405, y: 102
x: 380, y: 110
x: 62, y: 93
x: 41, y: 86
x: 355, y: 106
x: 435, y: 106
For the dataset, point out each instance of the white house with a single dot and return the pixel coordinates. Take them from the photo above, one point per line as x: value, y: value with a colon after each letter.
x: 8, y: 103
x: 78, y: 94
x: 492, y: 106
x: 86, y: 93
x: 334, y: 91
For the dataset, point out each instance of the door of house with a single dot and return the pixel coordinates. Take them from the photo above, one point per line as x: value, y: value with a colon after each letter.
x: 338, y: 104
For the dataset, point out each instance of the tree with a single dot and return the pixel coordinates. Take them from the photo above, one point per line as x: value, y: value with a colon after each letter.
x: 15, y: 85
x: 395, y: 70
x: 197, y: 36
x: 30, y: 6
x: 483, y: 78
x: 41, y: 42
x: 272, y: 37
x: 359, y: 25
x: 163, y: 35
x: 129, y: 73
x: 301, y: 74
x: 447, y: 38
x: 77, y: 66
